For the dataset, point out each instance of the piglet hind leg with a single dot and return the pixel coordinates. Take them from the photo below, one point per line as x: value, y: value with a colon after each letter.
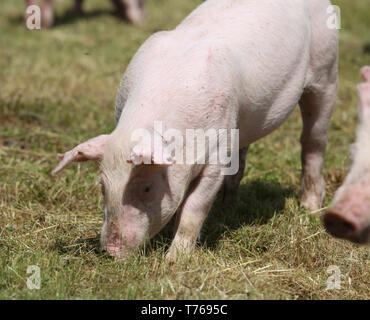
x: 193, y: 212
x: 316, y: 108
x: 230, y: 186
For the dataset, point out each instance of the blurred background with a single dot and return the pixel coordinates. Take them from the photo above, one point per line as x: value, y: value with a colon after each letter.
x: 58, y: 87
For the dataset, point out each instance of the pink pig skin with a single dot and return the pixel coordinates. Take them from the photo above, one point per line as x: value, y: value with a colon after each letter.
x: 349, y: 215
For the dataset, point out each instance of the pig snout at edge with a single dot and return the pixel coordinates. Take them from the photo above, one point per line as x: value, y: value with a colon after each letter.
x: 349, y: 216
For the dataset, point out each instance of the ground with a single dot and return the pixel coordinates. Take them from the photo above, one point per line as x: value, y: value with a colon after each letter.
x: 58, y: 89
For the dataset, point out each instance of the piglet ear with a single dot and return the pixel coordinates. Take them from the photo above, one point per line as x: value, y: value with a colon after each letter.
x: 90, y: 150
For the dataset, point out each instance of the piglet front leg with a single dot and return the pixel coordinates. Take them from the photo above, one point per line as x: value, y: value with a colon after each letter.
x: 194, y: 211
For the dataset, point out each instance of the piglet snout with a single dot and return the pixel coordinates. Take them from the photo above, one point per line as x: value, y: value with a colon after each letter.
x: 340, y: 226
x: 113, y: 244
x: 119, y: 242
x: 116, y: 252
x: 346, y: 225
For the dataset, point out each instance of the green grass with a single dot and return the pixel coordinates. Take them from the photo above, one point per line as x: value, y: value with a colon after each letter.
x: 57, y: 88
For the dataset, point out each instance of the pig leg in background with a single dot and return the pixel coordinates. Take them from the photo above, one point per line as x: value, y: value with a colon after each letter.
x: 194, y: 210
x: 316, y: 109
x: 131, y: 10
x: 47, y: 13
x: 231, y: 184
x: 78, y: 7
x: 134, y: 10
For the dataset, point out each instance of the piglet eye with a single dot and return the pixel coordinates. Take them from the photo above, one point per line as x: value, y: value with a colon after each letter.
x: 147, y: 189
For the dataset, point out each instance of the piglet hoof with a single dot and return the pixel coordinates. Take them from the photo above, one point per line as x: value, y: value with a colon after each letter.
x: 312, y: 202
x: 312, y: 193
x: 310, y: 205
x: 171, y: 258
x: 175, y: 255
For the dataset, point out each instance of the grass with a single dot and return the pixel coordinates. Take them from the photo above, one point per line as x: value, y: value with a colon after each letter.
x: 58, y: 89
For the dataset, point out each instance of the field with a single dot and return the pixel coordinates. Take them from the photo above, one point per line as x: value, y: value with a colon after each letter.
x: 57, y: 88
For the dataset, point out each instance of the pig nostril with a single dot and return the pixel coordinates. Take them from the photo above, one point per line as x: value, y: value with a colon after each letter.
x: 338, y: 226
x: 364, y: 237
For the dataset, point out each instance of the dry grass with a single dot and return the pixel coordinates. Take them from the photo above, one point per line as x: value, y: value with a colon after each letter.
x: 58, y: 88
